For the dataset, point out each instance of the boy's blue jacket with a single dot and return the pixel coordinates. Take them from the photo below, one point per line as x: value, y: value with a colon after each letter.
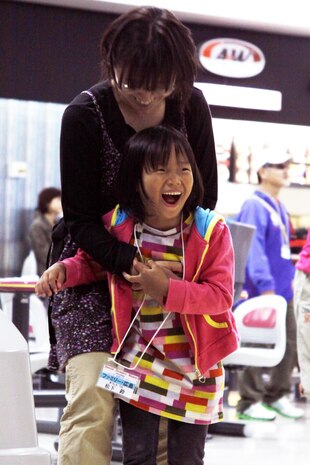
x: 266, y: 268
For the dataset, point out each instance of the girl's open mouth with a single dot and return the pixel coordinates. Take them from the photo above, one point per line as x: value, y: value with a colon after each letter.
x: 171, y: 197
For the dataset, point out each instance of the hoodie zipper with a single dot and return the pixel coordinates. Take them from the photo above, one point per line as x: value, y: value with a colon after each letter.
x: 113, y: 309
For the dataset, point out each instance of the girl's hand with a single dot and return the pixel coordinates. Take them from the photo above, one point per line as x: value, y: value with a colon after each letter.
x: 134, y: 272
x: 171, y: 268
x: 152, y: 279
x: 51, y: 281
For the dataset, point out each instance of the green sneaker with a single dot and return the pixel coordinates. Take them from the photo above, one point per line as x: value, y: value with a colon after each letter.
x: 285, y: 408
x: 257, y: 412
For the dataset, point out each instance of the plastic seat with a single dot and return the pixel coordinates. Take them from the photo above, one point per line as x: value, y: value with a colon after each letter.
x: 18, y: 438
x: 38, y: 344
x: 38, y: 320
x: 242, y: 235
x: 38, y: 327
x: 261, y: 322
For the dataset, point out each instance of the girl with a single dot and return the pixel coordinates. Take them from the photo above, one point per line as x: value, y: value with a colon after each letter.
x: 170, y: 330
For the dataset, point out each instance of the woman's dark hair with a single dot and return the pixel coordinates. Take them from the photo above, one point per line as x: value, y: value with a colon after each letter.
x: 152, y: 49
x: 45, y: 197
x: 148, y: 149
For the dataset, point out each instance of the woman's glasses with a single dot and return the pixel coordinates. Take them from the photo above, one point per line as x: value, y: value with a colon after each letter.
x: 159, y: 92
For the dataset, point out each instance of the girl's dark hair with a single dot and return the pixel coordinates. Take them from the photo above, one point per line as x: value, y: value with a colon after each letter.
x: 46, y: 196
x: 148, y: 149
x: 152, y: 49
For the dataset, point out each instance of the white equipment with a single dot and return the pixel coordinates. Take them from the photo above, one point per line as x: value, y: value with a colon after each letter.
x: 18, y: 432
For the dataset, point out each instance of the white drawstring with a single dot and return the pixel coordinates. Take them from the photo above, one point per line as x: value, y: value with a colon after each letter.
x: 141, y: 305
x: 148, y: 345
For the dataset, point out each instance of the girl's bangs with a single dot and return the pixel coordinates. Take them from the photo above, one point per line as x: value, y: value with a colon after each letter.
x: 158, y: 154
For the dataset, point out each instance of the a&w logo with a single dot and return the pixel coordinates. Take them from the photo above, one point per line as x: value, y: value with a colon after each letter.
x: 231, y: 58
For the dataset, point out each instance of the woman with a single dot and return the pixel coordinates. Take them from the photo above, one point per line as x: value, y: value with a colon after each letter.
x: 47, y: 214
x: 149, y: 67
x: 302, y: 313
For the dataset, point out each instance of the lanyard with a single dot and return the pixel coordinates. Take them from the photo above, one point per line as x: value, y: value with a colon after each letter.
x: 274, y: 212
x: 136, y: 243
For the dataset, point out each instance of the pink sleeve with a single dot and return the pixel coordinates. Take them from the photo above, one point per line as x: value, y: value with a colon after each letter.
x: 212, y: 293
x: 82, y: 269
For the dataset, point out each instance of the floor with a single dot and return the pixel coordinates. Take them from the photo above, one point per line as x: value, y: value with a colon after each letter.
x: 281, y: 442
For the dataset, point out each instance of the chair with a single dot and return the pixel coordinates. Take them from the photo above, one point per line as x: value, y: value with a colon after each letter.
x: 262, y: 329
x: 261, y: 322
x: 38, y: 320
x: 49, y: 388
x: 18, y: 438
x: 242, y: 235
x: 261, y: 325
x: 38, y: 340
x: 35, y: 328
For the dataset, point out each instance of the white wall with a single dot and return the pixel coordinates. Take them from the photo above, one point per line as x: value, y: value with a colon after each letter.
x: 296, y: 200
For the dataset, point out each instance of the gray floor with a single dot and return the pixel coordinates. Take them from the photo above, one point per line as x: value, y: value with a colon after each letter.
x: 281, y: 442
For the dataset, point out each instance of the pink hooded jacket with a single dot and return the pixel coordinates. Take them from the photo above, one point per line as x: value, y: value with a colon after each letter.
x: 303, y: 263
x: 203, y: 299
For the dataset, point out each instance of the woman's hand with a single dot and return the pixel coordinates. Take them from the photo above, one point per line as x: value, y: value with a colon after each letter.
x: 51, y: 281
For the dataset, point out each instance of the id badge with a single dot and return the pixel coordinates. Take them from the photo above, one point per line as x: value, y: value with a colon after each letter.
x: 285, y: 251
x: 117, y: 382
x: 274, y: 218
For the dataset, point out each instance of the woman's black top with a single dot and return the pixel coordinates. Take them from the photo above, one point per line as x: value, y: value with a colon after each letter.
x: 90, y: 162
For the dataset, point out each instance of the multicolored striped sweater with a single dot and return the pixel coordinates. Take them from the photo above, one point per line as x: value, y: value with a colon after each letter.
x: 203, y: 299
x: 157, y: 352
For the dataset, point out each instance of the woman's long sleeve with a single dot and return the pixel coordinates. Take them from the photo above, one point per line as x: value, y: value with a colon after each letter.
x: 80, y: 181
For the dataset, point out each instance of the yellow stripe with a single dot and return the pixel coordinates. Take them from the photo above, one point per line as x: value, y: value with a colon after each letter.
x: 195, y: 408
x: 156, y: 382
x: 190, y: 218
x: 205, y: 395
x: 210, y: 228
x: 17, y: 285
x: 173, y: 339
x: 170, y: 415
x: 201, y: 261
x: 151, y: 310
x: 213, y: 323
x: 142, y: 363
x: 169, y: 256
x: 195, y: 345
x: 113, y: 309
x: 207, y: 238
x: 114, y: 216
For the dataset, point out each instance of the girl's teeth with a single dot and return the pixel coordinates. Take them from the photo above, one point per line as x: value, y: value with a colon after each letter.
x: 171, y: 197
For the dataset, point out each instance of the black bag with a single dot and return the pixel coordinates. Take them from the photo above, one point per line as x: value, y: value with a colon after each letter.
x: 59, y: 234
x: 61, y: 247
